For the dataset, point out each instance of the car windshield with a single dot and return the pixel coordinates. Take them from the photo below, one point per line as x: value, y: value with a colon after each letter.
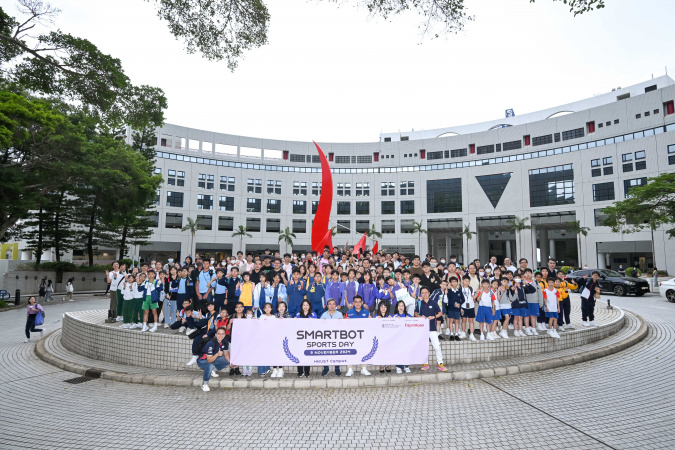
x: 611, y: 273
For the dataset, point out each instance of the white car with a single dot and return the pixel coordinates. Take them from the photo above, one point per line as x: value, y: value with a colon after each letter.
x: 667, y: 289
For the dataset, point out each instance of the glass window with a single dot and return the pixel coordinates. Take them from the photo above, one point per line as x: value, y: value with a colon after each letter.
x: 407, y: 225
x: 608, y: 170
x: 603, y: 192
x: 629, y: 184
x: 596, y: 172
x: 407, y: 206
x: 362, y: 207
x: 600, y: 217
x: 300, y: 207
x: 172, y: 173
x: 316, y: 188
x: 253, y: 224
x: 552, y: 186
x: 388, y: 226
x: 607, y: 160
x: 407, y: 188
x: 153, y: 219
x: 226, y: 203
x: 344, y: 226
x: 640, y: 165
x: 573, y: 134
x: 173, y: 220
x: 273, y: 205
x: 299, y: 226
x: 388, y: 188
x: 343, y: 207
x: 174, y: 199
x: 362, y: 189
x: 362, y: 226
x: 204, y: 201
x: 225, y: 223
x: 204, y: 222
x: 344, y: 189
x: 273, y: 225
x: 253, y: 205
x: 640, y: 155
x: 274, y: 187
x: 389, y: 207
x: 254, y: 186
x: 627, y: 157
x: 227, y: 184
x: 628, y: 167
x: 595, y: 162
x: 444, y: 195
x: 315, y: 206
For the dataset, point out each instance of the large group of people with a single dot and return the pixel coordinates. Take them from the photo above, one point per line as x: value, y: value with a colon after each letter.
x: 475, y: 301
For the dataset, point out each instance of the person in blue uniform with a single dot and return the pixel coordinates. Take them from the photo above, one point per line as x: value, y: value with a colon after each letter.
x: 357, y: 312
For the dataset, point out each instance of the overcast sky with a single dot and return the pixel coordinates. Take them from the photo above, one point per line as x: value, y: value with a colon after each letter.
x: 332, y: 74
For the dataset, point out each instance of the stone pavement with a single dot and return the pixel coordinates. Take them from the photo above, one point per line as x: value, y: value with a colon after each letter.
x: 619, y: 401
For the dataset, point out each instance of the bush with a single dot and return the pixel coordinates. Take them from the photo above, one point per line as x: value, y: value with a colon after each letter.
x: 629, y: 272
x: 125, y: 261
x: 58, y: 266
x: 3, y: 304
x: 565, y: 269
x: 61, y: 267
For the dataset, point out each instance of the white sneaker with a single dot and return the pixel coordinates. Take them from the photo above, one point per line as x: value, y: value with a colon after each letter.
x: 504, y: 334
x: 27, y: 340
x: 166, y: 325
x: 561, y: 328
x: 398, y: 370
x: 472, y: 337
x: 593, y: 324
x: 124, y: 325
x: 534, y: 331
x: 119, y: 318
x: 43, y: 332
x: 462, y: 335
x: 406, y: 369
x: 482, y: 337
x: 205, y: 388
x: 280, y: 373
x: 489, y: 337
x: 541, y: 327
x: 349, y: 373
x: 365, y: 372
x: 555, y: 334
x: 510, y: 327
x: 192, y: 360
x: 154, y: 328
x: 214, y: 374
x: 569, y: 325
x: 71, y: 300
x: 447, y: 331
x: 586, y: 323
x: 527, y: 331
x: 181, y: 329
x: 496, y: 335
x: 145, y: 327
x: 275, y: 373
x: 188, y: 331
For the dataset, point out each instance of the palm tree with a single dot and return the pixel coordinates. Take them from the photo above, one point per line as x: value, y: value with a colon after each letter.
x: 287, y: 236
x: 373, y: 234
x: 576, y: 228
x: 241, y: 232
x: 417, y: 229
x: 468, y: 234
x: 192, y: 228
x: 517, y: 224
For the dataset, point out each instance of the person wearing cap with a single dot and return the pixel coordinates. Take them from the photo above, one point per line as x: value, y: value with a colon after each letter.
x: 214, y: 357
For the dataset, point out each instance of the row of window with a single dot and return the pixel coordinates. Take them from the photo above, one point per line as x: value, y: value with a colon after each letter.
x: 627, y: 166
x: 605, y: 191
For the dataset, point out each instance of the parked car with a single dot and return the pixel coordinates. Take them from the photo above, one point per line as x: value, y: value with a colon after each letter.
x: 667, y: 289
x: 613, y: 282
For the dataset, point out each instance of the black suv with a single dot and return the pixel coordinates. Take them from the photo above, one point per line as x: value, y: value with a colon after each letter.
x: 612, y: 281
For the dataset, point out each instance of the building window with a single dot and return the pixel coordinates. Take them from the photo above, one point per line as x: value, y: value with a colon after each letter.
x: 225, y: 223
x: 253, y: 205
x: 572, y: 134
x: 388, y: 207
x: 344, y: 226
x: 299, y: 188
x: 407, y: 188
x: 606, y: 160
x: 388, y: 188
x: 388, y: 226
x: 596, y: 172
x: 226, y: 203
x: 205, y: 181
x: 595, y: 162
x: 315, y: 206
x: 444, y: 195
x: 253, y: 224
x: 362, y: 226
x: 603, y: 192
x: 628, y: 167
x: 254, y: 186
x: 204, y: 222
x: 297, y: 158
x: 483, y: 149
x: 273, y: 206
x: 362, y: 189
x: 542, y: 140
x: 435, y: 155
x: 173, y: 220
x: 227, y: 184
x: 158, y: 199
x: 273, y: 225
x: 299, y: 226
x: 640, y: 155
x: 174, y: 199
x: 343, y: 208
x: 316, y: 188
x: 407, y: 226
x: 176, y: 178
x: 630, y: 184
x: 627, y: 157
x: 342, y: 160
x: 204, y: 201
x: 157, y: 171
x: 671, y: 153
x: 556, y: 137
x: 153, y: 219
x: 300, y: 207
x: 600, y: 218
x: 407, y: 206
x: 608, y: 170
x: 552, y: 186
x: 344, y: 189
x: 459, y: 152
x: 640, y: 165
x: 362, y: 208
x: 274, y: 187
x: 511, y: 145
x: 364, y: 159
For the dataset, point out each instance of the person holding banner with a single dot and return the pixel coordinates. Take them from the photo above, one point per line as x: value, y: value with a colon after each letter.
x: 358, y: 312
x: 267, y: 315
x: 331, y: 314
x: 215, y: 357
x: 305, y: 313
x: 383, y: 312
x: 401, y: 313
x: 432, y: 312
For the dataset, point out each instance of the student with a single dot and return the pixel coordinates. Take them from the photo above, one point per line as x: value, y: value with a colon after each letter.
x: 186, y: 321
x: 519, y: 308
x: 266, y: 315
x: 185, y: 286
x: 248, y: 370
x: 455, y: 299
x: 128, y: 289
x: 244, y: 291
x: 238, y: 314
x: 139, y: 297
x: 485, y: 309
x: 231, y: 297
x: 276, y: 292
x: 534, y: 297
x: 566, y: 306
x: 316, y: 295
x: 357, y: 312
x: 207, y: 330
x: 551, y: 296
x: 351, y: 288
x: 171, y: 302
x: 203, y: 285
x: 382, y: 312
x: 368, y: 291
x: 334, y: 288
x: 331, y: 314
x: 32, y: 310
x: 542, y: 278
x: 219, y: 284
x: 431, y: 311
x: 590, y: 291
x: 306, y: 313
x: 467, y: 310
x: 401, y: 313
x: 259, y: 297
x: 151, y: 301
x: 70, y: 289
x: 215, y: 357
x: 296, y: 293
x: 504, y: 305
x: 497, y: 313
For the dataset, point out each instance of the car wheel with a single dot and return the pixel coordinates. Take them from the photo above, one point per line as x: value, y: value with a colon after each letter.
x: 670, y: 295
x: 619, y: 290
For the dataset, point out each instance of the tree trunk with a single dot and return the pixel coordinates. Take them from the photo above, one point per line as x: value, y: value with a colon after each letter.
x: 123, y: 241
x: 38, y: 250
x: 57, y: 218
x: 90, y: 234
x: 653, y: 250
x: 579, y: 249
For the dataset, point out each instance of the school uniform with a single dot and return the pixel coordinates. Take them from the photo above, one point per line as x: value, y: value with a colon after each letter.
x: 505, y: 305
x: 551, y: 298
x: 171, y: 289
x: 534, y: 297
x: 317, y: 297
x: 231, y: 295
x: 185, y: 290
x: 516, y: 296
x: 452, y: 311
x: 427, y: 309
x: 565, y: 304
x: 484, y: 307
x: 296, y: 294
x: 467, y: 308
x: 220, y: 287
x: 139, y: 296
x: 497, y: 315
x: 274, y: 295
x: 336, y: 291
x: 588, y: 304
x: 127, y: 290
x: 368, y: 291
x: 351, y: 289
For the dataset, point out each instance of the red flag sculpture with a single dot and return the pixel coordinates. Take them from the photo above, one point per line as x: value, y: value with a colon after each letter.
x: 360, y: 246
x: 327, y: 241
x: 320, y: 224
x: 375, y: 248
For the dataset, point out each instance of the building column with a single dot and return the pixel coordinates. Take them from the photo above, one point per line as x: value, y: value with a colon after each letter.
x: 543, y: 248
x: 551, y: 248
x: 508, y: 249
x: 448, y: 247
x: 602, y: 258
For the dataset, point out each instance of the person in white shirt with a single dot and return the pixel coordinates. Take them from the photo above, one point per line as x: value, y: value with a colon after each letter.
x: 467, y: 309
x: 508, y: 265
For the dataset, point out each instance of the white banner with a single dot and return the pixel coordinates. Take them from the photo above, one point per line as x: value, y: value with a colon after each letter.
x: 315, y: 342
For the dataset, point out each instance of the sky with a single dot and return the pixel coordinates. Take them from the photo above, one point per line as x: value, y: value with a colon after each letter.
x: 330, y: 73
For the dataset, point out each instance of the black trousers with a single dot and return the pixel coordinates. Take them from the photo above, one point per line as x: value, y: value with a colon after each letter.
x: 30, y: 325
x: 304, y: 369
x: 587, y: 308
x: 565, y: 308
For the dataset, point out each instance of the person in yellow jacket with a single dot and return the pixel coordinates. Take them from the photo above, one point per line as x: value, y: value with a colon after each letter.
x: 565, y: 305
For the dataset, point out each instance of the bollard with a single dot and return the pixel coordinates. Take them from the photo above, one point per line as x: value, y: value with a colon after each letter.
x: 17, y: 297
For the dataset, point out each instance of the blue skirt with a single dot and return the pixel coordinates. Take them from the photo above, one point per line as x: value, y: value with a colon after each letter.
x: 506, y: 311
x: 523, y: 312
x: 497, y: 315
x: 533, y: 309
x: 552, y: 315
x: 484, y: 314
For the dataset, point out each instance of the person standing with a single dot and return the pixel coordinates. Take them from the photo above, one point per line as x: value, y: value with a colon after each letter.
x: 114, y: 278
x: 43, y: 288
x: 49, y: 290
x: 305, y: 313
x: 358, y: 312
x: 331, y: 314
x: 70, y: 289
x: 432, y: 312
x: 203, y: 285
x: 32, y: 310
x: 590, y: 289
x: 215, y: 357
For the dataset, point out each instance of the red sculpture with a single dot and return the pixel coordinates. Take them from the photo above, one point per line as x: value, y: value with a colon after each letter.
x: 322, y: 216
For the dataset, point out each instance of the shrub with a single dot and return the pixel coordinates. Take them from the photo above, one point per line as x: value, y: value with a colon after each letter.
x: 125, y: 261
x: 565, y: 269
x: 58, y: 266
x: 3, y: 304
x: 629, y: 272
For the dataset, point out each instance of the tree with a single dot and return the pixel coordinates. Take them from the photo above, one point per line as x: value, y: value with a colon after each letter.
x: 50, y: 226
x: 241, y: 232
x: 576, y: 228
x: 191, y: 226
x: 468, y: 235
x: 287, y: 236
x: 518, y: 224
x: 373, y: 234
x: 417, y: 229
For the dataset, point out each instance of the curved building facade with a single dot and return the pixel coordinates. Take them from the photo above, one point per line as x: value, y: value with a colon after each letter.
x: 553, y: 171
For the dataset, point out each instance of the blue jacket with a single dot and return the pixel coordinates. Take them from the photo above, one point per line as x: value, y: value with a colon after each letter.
x: 316, y: 294
x: 336, y: 291
x: 296, y: 293
x: 369, y: 294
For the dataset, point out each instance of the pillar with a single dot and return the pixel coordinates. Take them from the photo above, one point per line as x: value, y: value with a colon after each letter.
x: 543, y: 248
x: 602, y: 258
x: 508, y: 249
x: 551, y: 248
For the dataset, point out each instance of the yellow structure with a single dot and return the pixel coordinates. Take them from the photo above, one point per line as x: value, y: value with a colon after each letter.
x: 9, y: 249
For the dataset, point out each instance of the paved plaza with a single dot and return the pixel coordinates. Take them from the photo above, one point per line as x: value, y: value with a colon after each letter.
x: 620, y: 401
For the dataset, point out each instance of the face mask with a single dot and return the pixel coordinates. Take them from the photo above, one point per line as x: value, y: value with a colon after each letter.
x: 481, y: 273
x: 303, y: 256
x: 517, y: 280
x: 170, y: 260
x: 213, y: 261
x: 442, y: 261
x: 445, y: 271
x: 433, y: 264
